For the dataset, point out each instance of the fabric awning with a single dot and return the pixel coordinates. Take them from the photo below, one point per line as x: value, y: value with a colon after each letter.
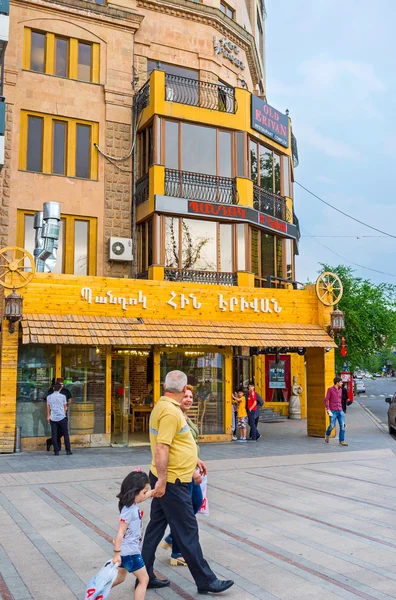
x: 123, y: 331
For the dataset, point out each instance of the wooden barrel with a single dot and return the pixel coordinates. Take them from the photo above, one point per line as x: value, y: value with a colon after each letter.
x: 82, y: 418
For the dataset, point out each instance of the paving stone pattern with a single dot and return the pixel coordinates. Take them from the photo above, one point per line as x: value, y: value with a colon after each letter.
x: 291, y: 518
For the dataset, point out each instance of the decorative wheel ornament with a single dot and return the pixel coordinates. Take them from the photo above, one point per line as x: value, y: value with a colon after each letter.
x: 329, y: 288
x: 16, y: 267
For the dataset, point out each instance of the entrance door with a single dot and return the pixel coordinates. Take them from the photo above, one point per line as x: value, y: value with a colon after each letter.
x: 277, y: 379
x: 120, y: 401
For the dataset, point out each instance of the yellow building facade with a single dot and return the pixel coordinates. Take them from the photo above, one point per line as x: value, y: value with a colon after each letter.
x: 148, y: 122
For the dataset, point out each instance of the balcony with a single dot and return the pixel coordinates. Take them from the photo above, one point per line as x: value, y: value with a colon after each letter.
x: 270, y: 204
x: 211, y: 277
x: 202, y: 94
x: 142, y: 98
x: 204, y: 188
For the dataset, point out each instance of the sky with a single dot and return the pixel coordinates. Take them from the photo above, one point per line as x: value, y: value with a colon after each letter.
x: 332, y: 63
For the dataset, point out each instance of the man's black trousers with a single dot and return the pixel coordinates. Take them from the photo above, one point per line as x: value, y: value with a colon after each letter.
x: 59, y: 429
x: 175, y: 508
x: 253, y: 421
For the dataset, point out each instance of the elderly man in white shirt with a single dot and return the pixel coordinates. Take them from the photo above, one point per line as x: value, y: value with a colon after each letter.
x: 56, y: 416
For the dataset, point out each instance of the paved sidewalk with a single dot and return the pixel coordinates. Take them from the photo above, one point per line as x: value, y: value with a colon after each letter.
x: 291, y: 518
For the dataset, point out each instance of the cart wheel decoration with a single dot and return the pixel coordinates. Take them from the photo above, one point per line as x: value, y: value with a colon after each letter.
x: 16, y: 267
x: 329, y: 288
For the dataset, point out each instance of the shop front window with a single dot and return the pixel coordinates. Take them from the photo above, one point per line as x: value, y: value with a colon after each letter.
x: 205, y: 372
x: 36, y: 368
x: 84, y: 372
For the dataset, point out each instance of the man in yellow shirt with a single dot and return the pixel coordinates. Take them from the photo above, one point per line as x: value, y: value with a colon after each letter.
x: 174, y: 459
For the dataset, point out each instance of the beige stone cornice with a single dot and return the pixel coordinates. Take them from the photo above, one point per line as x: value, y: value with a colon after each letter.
x: 201, y: 13
x: 119, y: 18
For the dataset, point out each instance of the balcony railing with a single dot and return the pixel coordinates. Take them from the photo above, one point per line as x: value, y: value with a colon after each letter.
x: 200, y: 93
x: 142, y: 98
x: 210, y: 277
x: 142, y: 190
x: 197, y: 186
x: 277, y: 282
x: 270, y: 204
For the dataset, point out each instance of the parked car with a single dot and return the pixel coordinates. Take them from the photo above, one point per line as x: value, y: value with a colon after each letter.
x: 360, y: 386
x: 377, y: 374
x: 391, y: 414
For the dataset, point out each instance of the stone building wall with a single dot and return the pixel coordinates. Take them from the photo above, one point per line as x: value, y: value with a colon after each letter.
x: 5, y: 180
x: 118, y: 193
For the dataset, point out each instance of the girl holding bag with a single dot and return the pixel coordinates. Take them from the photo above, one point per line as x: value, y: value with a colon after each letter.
x: 195, y: 486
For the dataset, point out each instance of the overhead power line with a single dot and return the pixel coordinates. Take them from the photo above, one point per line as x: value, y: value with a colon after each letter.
x: 347, y: 259
x: 344, y: 213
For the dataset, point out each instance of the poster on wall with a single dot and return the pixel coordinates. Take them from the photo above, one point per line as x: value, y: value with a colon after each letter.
x: 277, y: 375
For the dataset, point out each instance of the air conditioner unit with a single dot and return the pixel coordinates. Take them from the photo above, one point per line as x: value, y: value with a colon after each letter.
x: 170, y: 94
x: 120, y: 249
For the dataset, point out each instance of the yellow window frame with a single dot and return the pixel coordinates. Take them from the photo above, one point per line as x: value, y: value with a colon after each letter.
x: 68, y: 240
x: 48, y: 121
x: 50, y: 50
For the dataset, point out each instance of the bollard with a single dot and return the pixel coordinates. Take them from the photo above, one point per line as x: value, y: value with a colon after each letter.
x: 18, y: 439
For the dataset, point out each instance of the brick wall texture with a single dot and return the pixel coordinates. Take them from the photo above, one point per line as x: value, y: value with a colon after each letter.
x: 118, y: 192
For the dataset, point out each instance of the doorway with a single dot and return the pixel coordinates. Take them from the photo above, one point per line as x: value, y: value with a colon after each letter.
x: 277, y: 378
x: 120, y: 401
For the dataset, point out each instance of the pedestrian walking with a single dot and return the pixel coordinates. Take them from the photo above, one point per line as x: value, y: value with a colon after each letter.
x: 56, y: 416
x: 134, y: 489
x: 174, y: 460
x: 255, y: 402
x: 69, y: 400
x: 333, y: 403
x: 186, y: 404
x: 240, y: 401
x: 344, y: 397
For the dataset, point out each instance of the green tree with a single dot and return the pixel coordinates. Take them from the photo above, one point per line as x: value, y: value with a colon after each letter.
x: 370, y: 319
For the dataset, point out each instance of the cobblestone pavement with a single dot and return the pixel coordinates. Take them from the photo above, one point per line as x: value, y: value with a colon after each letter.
x: 290, y: 518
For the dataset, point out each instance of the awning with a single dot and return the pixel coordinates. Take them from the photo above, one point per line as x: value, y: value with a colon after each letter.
x: 122, y: 331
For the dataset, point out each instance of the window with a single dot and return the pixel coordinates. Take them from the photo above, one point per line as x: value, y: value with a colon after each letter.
x: 145, y: 148
x: 265, y: 167
x: 45, y: 52
x: 61, y: 57
x: 145, y: 246
x: 77, y: 234
x: 270, y: 256
x: 84, y: 61
x: 37, y: 53
x: 58, y: 146
x: 227, y: 10
x: 153, y: 65
x: 198, y: 149
x: 260, y: 34
x: 198, y: 245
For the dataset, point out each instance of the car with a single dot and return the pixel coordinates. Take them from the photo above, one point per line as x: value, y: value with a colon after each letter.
x: 360, y: 386
x: 391, y: 414
x: 377, y: 374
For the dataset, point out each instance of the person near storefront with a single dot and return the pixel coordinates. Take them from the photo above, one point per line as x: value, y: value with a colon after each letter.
x: 69, y: 400
x: 240, y: 401
x: 177, y: 558
x: 254, y: 403
x: 174, y: 460
x: 56, y: 416
x: 333, y: 403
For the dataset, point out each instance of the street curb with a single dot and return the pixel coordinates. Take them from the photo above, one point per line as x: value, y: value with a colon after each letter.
x: 372, y: 417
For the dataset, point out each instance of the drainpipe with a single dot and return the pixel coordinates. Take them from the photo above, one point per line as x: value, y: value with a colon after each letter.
x: 46, y: 257
x: 38, y: 241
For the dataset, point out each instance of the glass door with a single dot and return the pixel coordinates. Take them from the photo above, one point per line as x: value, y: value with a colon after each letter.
x: 120, y: 401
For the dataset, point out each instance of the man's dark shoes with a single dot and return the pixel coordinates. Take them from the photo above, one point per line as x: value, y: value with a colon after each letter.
x: 156, y: 583
x: 69, y: 452
x: 216, y: 587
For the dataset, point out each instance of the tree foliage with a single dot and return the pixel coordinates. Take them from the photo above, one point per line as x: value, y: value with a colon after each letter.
x: 370, y: 318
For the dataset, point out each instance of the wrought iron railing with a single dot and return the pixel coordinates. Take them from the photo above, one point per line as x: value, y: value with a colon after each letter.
x: 211, y: 277
x: 142, y: 275
x: 203, y: 94
x: 142, y: 190
x: 294, y: 150
x: 270, y: 204
x: 142, y: 98
x: 277, y: 282
x: 197, y: 186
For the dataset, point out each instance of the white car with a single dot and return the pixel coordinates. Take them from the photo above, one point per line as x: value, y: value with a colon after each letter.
x: 391, y: 414
x: 360, y: 386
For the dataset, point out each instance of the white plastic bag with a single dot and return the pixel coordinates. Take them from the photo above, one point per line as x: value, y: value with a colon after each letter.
x: 100, y: 585
x: 204, y: 510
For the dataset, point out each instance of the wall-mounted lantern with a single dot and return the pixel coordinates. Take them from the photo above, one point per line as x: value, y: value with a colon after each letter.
x: 13, y: 310
x: 337, y: 323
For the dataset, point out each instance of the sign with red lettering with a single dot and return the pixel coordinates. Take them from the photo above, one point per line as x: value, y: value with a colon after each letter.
x: 270, y: 122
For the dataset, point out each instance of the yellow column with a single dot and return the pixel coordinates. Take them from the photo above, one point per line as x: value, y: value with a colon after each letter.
x: 298, y: 370
x: 156, y: 184
x: 245, y: 279
x: 157, y: 92
x: 156, y: 273
x: 108, y: 391
x: 8, y: 384
x: 245, y: 191
x: 320, y: 374
x: 228, y: 393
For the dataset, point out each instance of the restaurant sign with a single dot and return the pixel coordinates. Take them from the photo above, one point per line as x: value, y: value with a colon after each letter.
x: 270, y: 122
x: 212, y: 210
